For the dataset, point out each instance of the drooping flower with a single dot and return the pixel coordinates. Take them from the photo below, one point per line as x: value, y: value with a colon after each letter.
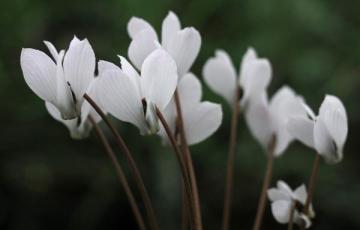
x: 182, y: 44
x: 266, y: 119
x: 327, y: 132
x: 63, y: 80
x: 201, y: 119
x: 282, y: 200
x: 134, y: 99
x: 254, y: 76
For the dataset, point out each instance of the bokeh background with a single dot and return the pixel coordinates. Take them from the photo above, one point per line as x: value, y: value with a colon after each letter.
x: 49, y: 181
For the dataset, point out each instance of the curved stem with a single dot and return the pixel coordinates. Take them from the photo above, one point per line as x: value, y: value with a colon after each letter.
x: 120, y: 174
x: 230, y: 164
x: 266, y: 184
x: 133, y: 167
x: 177, y: 151
x: 189, y: 165
x: 291, y: 217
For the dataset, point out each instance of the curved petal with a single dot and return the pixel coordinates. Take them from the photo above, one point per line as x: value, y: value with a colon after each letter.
x: 184, y: 48
x: 79, y: 67
x: 283, y: 186
x: 105, y: 65
x: 275, y: 194
x: 129, y: 70
x: 54, y: 53
x: 201, y: 121
x: 300, y: 195
x: 136, y: 25
x: 189, y: 89
x: 219, y: 74
x: 302, y: 129
x: 141, y: 46
x: 170, y: 26
x: 39, y: 73
x: 158, y: 78
x: 120, y: 97
x: 281, y: 211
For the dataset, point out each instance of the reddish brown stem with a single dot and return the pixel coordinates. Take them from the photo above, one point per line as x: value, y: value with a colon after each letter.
x: 132, y: 164
x: 262, y: 200
x: 189, y: 165
x: 291, y: 217
x: 120, y: 174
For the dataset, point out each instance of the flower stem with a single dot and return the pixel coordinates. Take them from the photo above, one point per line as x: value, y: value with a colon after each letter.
x: 189, y: 165
x: 311, y: 186
x: 266, y: 184
x: 291, y: 217
x: 230, y: 163
x: 120, y: 174
x: 184, y: 209
x: 184, y: 172
x: 133, y: 167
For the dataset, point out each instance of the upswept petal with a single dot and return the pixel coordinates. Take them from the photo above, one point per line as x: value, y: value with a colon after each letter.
x: 302, y: 129
x: 189, y: 89
x: 39, y: 73
x: 53, y: 51
x: 141, y: 46
x: 249, y: 57
x: 79, y: 68
x: 136, y: 25
x: 324, y: 143
x: 105, y: 65
x: 184, y: 48
x: 281, y: 210
x: 219, y: 74
x: 275, y: 194
x: 158, y: 78
x: 129, y: 70
x: 170, y: 26
x: 200, y: 121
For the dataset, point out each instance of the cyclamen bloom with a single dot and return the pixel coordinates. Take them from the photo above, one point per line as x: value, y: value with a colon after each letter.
x: 182, y: 44
x: 201, y: 119
x: 282, y: 200
x: 266, y: 119
x: 254, y: 76
x: 327, y: 132
x: 134, y: 99
x: 63, y: 80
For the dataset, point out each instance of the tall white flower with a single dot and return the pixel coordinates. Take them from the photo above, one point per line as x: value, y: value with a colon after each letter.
x: 201, y: 119
x: 266, y: 119
x: 282, y: 200
x: 131, y: 98
x: 254, y: 76
x: 327, y: 132
x: 182, y: 44
x: 63, y: 80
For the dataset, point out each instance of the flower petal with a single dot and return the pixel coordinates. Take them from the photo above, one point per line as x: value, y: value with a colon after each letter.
x: 79, y: 67
x: 129, y: 70
x: 219, y: 74
x: 170, y: 26
x: 158, y: 78
x: 275, y: 194
x: 105, y: 65
x: 136, y: 25
x: 184, y: 48
x: 281, y: 211
x: 201, y: 121
x: 39, y: 73
x: 54, y: 53
x: 189, y: 89
x: 141, y: 46
x: 302, y: 129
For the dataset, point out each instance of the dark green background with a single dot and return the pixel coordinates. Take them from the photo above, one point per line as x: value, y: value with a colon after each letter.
x: 48, y: 181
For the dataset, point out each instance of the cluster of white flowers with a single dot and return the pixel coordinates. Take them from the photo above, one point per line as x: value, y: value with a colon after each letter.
x: 134, y: 92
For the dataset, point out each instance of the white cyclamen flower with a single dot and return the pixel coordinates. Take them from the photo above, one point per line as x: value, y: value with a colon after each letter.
x: 266, y: 119
x: 201, y: 119
x: 182, y: 44
x: 282, y: 200
x: 131, y: 98
x: 254, y: 76
x: 327, y: 132
x: 63, y: 80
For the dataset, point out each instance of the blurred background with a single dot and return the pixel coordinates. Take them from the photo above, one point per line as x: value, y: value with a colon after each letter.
x: 49, y: 181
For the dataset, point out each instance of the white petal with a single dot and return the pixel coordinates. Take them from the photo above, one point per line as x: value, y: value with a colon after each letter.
x: 184, y: 48
x: 302, y: 129
x: 141, y: 46
x: 120, y: 97
x: 219, y: 74
x: 300, y: 195
x: 129, y: 70
x: 105, y: 65
x: 259, y: 122
x: 136, y: 25
x: 281, y: 211
x: 79, y: 67
x: 283, y: 186
x: 54, y: 53
x: 303, y: 220
x: 200, y: 121
x: 94, y: 92
x: 39, y: 73
x: 169, y: 114
x: 159, y: 78
x: 249, y: 56
x: 275, y: 194
x: 189, y: 89
x: 170, y: 26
